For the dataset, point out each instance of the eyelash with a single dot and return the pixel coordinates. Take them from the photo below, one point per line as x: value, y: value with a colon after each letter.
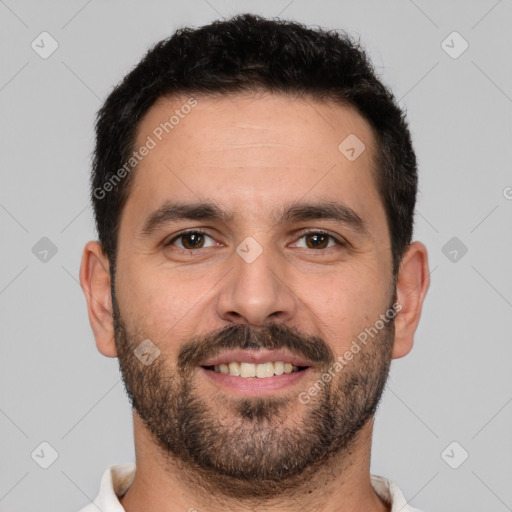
x: 339, y: 242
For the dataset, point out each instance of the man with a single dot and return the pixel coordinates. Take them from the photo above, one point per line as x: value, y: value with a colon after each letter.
x: 254, y: 187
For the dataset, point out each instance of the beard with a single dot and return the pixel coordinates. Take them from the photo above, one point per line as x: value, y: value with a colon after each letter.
x: 252, y: 447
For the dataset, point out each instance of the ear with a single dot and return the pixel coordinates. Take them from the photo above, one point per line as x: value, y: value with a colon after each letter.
x: 95, y: 282
x: 413, y: 281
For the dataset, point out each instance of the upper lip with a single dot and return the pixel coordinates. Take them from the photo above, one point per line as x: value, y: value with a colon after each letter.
x: 256, y: 357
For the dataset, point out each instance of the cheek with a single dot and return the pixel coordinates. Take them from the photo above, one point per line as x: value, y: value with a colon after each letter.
x: 158, y: 303
x: 345, y: 303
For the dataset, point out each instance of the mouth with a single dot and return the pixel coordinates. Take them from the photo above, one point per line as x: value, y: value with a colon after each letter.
x: 250, y: 370
x: 255, y: 373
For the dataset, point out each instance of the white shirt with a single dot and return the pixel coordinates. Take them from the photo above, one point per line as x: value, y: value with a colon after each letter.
x: 117, y: 479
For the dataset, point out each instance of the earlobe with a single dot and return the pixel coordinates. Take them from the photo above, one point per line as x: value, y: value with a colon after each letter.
x: 95, y: 282
x: 413, y: 281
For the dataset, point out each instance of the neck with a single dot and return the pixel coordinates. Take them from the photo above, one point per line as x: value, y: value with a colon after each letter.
x: 341, y: 484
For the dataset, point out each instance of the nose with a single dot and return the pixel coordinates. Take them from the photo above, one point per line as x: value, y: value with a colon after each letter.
x: 256, y: 292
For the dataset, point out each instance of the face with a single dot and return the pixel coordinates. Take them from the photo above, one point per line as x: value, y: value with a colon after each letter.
x: 250, y: 243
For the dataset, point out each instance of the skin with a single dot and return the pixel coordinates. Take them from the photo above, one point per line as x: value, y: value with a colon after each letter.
x: 252, y: 154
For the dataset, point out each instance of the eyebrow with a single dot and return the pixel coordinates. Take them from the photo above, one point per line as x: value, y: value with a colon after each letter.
x: 296, y: 212
x: 170, y: 212
x: 337, y: 212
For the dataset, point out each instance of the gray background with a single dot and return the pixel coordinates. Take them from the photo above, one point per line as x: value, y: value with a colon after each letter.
x: 456, y: 383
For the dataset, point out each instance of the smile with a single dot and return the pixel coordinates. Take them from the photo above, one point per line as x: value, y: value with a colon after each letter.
x: 261, y: 370
x: 255, y: 372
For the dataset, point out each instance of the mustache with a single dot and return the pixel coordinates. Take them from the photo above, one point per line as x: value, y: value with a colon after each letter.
x: 242, y: 336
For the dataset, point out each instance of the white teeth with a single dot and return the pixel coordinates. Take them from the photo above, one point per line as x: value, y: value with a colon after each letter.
x: 279, y: 367
x: 264, y: 370
x: 234, y: 369
x: 247, y: 370
x: 261, y: 371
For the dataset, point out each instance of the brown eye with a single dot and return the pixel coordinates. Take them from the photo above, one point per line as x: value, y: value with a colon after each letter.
x: 191, y: 240
x: 317, y: 241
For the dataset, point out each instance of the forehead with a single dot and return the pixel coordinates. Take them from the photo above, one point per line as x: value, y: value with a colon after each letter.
x: 254, y: 152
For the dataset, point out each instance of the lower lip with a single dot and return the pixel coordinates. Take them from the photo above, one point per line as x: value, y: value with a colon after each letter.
x: 253, y: 385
